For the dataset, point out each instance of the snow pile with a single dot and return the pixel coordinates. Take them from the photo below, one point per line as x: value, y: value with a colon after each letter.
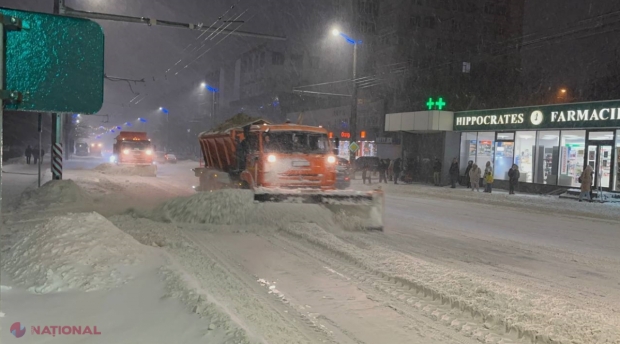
x: 127, y: 170
x: 20, y: 160
x: 237, y: 207
x: 78, y: 251
x: 54, y: 192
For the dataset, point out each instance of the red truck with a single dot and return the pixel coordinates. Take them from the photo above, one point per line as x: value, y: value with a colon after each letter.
x: 132, y: 147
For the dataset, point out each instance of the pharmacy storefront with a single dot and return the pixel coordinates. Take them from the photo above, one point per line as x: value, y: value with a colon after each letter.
x: 551, y: 143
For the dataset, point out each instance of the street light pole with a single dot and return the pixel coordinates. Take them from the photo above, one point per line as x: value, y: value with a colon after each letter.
x: 353, y: 115
x: 353, y: 118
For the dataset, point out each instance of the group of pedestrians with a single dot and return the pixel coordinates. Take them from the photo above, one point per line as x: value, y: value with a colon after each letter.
x: 474, y: 175
x: 387, y: 169
x: 32, y: 154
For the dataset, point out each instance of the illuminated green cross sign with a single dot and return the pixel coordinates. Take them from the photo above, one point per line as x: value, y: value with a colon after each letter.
x: 430, y: 103
x: 439, y: 104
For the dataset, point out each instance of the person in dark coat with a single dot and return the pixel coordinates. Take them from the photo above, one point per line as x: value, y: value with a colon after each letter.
x: 366, y: 174
x: 383, y: 165
x: 513, y: 175
x: 454, y: 172
x: 35, y: 154
x: 397, y: 169
x: 437, y: 171
x: 28, y: 154
x: 470, y: 163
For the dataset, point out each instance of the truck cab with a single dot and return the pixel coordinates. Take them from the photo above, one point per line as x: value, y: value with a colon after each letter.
x: 133, y: 148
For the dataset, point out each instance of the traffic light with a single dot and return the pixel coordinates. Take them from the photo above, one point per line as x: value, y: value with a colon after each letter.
x: 363, y: 134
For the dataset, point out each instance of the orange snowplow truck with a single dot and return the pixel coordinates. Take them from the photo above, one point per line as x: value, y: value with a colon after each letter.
x: 133, y: 147
x: 282, y: 163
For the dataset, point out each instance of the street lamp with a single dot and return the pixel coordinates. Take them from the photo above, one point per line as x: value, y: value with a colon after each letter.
x: 166, y: 112
x: 353, y: 117
x: 213, y: 90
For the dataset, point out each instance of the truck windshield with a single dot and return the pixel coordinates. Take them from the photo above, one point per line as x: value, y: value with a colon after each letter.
x: 139, y: 145
x: 295, y: 142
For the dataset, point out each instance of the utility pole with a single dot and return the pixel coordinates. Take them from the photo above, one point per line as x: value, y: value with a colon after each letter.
x: 56, y: 119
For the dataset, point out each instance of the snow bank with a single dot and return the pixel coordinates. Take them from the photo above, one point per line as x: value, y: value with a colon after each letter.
x: 127, y: 170
x: 54, y: 192
x: 78, y: 251
x: 237, y: 207
x: 20, y: 160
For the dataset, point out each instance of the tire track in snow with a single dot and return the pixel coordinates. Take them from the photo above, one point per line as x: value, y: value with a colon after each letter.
x: 280, y: 326
x: 459, y: 315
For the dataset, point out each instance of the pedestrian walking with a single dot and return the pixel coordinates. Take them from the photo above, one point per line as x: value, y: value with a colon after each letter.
x: 383, y: 166
x: 513, y: 176
x: 397, y: 169
x: 366, y: 174
x: 474, y: 177
x: 28, y: 154
x: 35, y: 155
x: 470, y: 163
x: 488, y: 178
x: 454, y: 172
x: 585, y: 179
x: 390, y: 169
x: 437, y: 171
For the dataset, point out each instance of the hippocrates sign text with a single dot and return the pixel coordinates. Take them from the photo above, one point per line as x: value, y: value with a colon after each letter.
x: 578, y: 115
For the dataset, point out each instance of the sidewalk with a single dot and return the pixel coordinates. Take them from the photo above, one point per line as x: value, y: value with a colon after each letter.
x: 499, y: 197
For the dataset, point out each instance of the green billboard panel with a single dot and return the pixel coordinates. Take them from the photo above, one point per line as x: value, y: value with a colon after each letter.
x: 56, y: 63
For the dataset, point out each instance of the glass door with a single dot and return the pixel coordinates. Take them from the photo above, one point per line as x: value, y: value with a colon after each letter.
x: 600, y: 158
x: 504, y: 155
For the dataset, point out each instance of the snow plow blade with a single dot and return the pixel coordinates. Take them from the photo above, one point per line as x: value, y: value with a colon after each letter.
x: 366, y: 207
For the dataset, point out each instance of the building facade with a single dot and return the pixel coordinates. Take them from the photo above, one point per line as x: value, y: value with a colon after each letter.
x: 464, y: 51
x: 551, y: 144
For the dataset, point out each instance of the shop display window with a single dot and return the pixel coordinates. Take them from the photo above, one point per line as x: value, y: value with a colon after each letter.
x: 484, y: 151
x: 343, y: 149
x: 468, y: 149
x: 525, y: 150
x: 367, y: 148
x: 572, y: 153
x: 504, y: 156
x: 547, y: 157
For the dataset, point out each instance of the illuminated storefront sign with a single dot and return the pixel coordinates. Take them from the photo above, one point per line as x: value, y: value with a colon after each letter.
x: 577, y: 115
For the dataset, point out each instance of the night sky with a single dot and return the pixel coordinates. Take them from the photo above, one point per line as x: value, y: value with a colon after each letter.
x: 140, y: 52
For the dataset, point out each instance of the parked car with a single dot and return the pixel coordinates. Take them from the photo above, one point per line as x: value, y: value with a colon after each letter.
x: 371, y: 161
x: 160, y: 157
x: 171, y: 158
x: 343, y: 174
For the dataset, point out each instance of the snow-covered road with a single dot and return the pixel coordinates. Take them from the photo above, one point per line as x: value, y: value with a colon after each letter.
x: 451, y: 266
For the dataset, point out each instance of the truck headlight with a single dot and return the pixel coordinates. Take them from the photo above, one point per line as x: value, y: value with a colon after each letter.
x: 149, y: 152
x: 331, y: 159
x: 99, y: 145
x: 271, y: 158
x: 125, y: 151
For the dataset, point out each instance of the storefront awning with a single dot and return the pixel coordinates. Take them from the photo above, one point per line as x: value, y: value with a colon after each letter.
x: 419, y: 121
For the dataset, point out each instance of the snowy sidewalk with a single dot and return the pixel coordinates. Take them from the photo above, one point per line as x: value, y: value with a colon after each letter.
x: 499, y: 197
